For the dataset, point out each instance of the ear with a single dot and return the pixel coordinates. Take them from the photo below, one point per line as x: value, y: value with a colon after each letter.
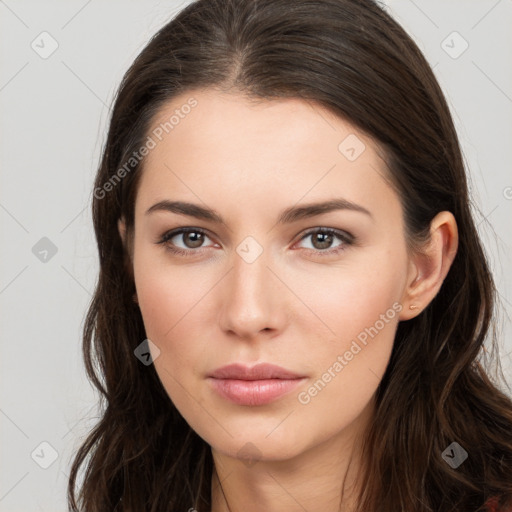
x: 127, y: 244
x: 121, y: 227
x: 430, y: 264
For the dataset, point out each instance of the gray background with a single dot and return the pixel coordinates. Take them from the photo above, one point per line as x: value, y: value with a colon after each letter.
x: 54, y: 114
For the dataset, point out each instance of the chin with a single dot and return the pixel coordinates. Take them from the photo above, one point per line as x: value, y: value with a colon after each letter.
x: 259, y: 446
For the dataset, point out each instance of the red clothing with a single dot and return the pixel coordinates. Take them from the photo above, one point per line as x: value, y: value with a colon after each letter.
x: 492, y: 505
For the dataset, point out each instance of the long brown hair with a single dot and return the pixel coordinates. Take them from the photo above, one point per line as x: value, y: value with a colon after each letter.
x: 352, y: 58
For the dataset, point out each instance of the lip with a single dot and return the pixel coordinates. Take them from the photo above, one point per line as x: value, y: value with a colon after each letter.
x: 260, y: 371
x: 256, y: 385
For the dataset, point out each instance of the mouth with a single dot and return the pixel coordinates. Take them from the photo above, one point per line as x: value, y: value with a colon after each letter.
x: 258, y: 385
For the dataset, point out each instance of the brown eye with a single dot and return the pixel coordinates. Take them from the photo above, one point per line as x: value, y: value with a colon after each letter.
x: 322, y: 240
x: 184, y: 241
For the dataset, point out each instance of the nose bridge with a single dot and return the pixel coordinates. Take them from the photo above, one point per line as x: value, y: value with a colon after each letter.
x: 250, y: 301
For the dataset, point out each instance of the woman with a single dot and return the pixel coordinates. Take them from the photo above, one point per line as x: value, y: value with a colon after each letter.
x: 293, y: 298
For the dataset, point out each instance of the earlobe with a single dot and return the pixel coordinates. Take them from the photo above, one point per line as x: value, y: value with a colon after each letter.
x: 430, y: 265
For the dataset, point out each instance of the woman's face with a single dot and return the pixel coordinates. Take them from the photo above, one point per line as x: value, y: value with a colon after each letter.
x: 267, y: 284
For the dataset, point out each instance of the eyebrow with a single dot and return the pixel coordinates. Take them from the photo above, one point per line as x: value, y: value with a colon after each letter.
x: 289, y: 215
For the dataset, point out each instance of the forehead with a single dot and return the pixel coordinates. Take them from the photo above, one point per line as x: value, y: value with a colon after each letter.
x: 210, y: 144
x: 253, y: 124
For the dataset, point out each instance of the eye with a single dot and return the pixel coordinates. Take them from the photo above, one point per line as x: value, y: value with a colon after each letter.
x: 322, y: 240
x: 192, y: 239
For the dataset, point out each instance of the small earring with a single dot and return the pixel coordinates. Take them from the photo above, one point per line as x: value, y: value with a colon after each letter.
x: 412, y: 306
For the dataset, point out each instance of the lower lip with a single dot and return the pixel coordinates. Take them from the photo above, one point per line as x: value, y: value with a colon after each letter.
x: 254, y: 392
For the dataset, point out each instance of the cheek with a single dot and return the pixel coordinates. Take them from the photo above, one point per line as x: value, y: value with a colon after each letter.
x: 171, y: 303
x: 343, y: 302
x: 167, y: 292
x: 347, y: 371
x: 175, y: 302
x: 361, y: 305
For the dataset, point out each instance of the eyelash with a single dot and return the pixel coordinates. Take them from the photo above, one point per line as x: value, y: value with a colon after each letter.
x: 345, y: 237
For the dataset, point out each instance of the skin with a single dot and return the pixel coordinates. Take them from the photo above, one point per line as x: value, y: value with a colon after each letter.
x: 293, y: 306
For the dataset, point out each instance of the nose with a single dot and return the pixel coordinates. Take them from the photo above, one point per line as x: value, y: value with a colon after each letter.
x: 253, y: 300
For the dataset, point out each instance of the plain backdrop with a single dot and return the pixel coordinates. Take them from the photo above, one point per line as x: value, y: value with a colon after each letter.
x: 60, y: 65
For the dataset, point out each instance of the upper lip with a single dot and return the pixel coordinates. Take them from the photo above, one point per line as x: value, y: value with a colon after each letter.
x: 259, y: 371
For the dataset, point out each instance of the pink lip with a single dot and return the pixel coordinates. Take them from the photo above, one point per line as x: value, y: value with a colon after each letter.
x: 259, y: 371
x: 257, y: 385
